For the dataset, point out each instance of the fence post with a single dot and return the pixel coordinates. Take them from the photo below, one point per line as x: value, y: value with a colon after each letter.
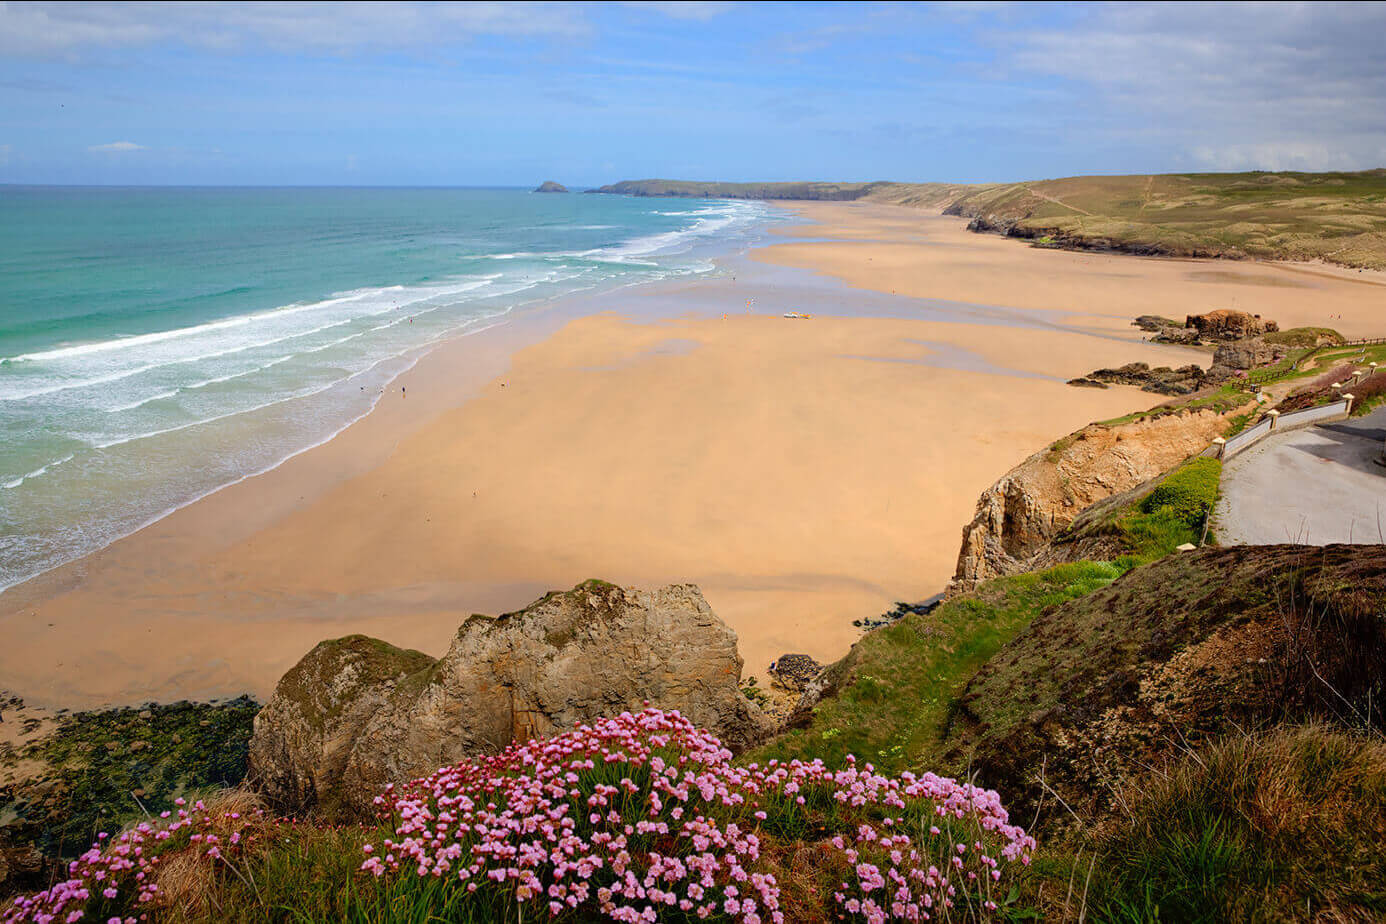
x: 1221, y: 445
x: 1348, y: 410
x: 1274, y: 416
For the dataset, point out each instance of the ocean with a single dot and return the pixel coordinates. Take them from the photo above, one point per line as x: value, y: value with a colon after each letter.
x: 159, y: 343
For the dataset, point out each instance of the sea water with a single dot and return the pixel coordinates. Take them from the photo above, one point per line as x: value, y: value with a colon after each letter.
x: 159, y: 343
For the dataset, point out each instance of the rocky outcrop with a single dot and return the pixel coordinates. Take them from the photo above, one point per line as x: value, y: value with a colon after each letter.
x: 1229, y: 324
x: 549, y: 186
x: 794, y: 672
x: 1162, y: 380
x: 1018, y: 515
x: 1241, y: 355
x: 356, y: 714
x: 1179, y: 652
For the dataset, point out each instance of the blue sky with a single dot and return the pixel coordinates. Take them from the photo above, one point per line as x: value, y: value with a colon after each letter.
x: 511, y: 94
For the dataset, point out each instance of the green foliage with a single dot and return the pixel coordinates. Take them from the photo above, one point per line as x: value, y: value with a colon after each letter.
x: 899, y: 686
x: 1189, y: 493
x: 1303, y: 337
x: 1154, y: 535
x: 1282, y: 826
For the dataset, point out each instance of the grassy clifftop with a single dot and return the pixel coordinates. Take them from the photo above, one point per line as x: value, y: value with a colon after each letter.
x: 1336, y: 217
x: 923, y: 195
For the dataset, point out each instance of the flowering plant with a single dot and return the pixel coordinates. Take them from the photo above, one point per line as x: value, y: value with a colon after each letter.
x: 637, y: 818
x: 643, y: 817
x: 116, y: 880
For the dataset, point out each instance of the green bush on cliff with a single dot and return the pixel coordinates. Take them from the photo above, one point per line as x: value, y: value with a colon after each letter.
x: 1188, y: 493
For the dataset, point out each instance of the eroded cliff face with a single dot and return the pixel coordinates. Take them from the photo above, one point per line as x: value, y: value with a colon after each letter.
x: 356, y: 714
x: 1032, y: 503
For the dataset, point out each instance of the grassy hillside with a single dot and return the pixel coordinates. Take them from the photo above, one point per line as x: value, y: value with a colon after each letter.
x: 922, y: 195
x: 1336, y: 217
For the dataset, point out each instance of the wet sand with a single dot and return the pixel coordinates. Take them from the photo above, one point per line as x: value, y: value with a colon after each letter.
x: 804, y: 473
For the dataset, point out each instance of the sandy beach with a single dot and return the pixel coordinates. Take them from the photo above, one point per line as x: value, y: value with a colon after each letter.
x: 804, y: 473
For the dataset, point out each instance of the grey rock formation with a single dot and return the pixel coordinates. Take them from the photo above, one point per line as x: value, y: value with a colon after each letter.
x: 1240, y: 355
x: 356, y: 714
x: 549, y: 186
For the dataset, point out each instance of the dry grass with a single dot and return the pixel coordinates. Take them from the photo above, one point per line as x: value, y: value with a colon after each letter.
x: 1281, y: 826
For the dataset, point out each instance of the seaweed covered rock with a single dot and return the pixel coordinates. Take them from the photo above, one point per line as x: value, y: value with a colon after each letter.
x: 1178, y: 652
x: 356, y: 714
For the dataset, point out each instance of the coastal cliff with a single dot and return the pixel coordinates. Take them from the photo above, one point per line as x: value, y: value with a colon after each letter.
x: 1019, y: 515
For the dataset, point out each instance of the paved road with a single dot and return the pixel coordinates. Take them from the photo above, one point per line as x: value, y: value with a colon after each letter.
x: 1317, y: 485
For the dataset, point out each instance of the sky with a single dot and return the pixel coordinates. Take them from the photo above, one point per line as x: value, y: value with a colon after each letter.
x: 509, y: 94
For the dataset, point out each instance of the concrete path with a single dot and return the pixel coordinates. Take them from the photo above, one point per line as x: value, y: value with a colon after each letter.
x: 1314, y: 486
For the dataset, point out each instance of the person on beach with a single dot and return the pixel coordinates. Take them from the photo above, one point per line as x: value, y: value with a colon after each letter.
x: 402, y: 392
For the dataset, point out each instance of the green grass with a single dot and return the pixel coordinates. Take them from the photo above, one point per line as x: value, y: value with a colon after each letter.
x: 1189, y: 492
x: 1226, y: 398
x: 900, y: 683
x: 1282, y: 826
x: 1303, y: 337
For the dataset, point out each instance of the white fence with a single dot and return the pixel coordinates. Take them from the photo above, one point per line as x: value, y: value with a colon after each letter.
x: 1276, y: 422
x: 1248, y: 436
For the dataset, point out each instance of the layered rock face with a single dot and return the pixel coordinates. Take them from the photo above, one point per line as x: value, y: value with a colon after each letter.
x: 356, y: 714
x: 1018, y: 515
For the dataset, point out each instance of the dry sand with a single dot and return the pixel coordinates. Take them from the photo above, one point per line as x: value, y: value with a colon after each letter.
x: 920, y: 253
x: 804, y: 473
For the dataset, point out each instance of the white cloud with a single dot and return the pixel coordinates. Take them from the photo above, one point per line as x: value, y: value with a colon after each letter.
x: 1233, y: 85
x: 40, y: 27
x: 116, y: 147
x: 680, y: 9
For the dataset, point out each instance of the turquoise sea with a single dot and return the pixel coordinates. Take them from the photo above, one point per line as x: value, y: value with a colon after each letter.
x: 158, y: 343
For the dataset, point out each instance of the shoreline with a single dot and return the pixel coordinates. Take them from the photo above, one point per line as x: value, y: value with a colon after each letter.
x: 298, y: 554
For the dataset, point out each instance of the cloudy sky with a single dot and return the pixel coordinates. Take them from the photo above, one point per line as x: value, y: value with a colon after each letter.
x: 512, y: 93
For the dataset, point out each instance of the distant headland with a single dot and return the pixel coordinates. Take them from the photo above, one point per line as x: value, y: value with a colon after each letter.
x: 1268, y: 216
x: 551, y: 186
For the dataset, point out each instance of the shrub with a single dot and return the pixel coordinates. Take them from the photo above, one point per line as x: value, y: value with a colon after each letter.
x: 1188, y: 493
x: 1368, y: 394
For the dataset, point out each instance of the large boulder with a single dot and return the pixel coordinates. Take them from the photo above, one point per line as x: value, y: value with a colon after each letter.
x: 1230, y: 324
x: 356, y: 714
x: 1240, y: 355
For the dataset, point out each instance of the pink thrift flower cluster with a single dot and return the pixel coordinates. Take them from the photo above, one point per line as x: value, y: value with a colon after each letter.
x: 644, y: 814
x: 114, y: 881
